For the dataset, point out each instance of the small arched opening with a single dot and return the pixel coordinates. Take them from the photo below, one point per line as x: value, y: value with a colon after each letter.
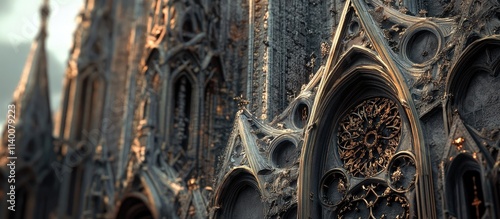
x: 134, y: 208
x: 240, y: 197
x: 464, y: 189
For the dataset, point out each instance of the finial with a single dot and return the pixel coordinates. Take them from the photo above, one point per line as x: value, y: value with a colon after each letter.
x: 44, y: 14
x: 242, y: 102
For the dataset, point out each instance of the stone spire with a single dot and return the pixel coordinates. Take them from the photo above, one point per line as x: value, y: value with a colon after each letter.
x: 34, y: 80
x: 31, y: 97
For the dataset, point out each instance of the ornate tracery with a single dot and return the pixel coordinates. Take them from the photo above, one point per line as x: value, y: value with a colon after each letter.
x: 369, y: 135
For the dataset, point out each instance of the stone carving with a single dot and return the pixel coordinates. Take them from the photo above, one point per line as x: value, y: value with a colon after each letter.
x: 368, y: 136
x: 176, y: 66
x: 402, y: 172
x: 284, y: 154
x: 334, y: 186
x: 375, y: 200
x: 422, y: 46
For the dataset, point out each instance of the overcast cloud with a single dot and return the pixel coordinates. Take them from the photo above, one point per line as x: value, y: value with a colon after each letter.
x: 5, y: 7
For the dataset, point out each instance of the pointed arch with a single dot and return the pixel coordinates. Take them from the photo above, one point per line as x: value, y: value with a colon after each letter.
x: 464, y: 188
x: 87, y: 113
x: 142, y: 193
x: 182, y: 110
x: 477, y: 68
x: 239, y: 195
x: 359, y: 91
x: 190, y: 23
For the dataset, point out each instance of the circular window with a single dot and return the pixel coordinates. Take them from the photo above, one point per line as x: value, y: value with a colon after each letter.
x: 422, y: 46
x: 284, y: 154
x: 354, y: 28
x: 402, y: 172
x: 300, y: 115
x: 368, y: 136
x: 334, y: 186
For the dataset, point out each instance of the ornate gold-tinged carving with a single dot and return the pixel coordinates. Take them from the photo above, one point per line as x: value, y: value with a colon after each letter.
x: 402, y: 172
x: 304, y: 114
x: 334, y: 186
x: 368, y: 136
x: 242, y: 102
x: 341, y: 187
x: 396, y: 176
x: 370, y: 198
x: 459, y: 143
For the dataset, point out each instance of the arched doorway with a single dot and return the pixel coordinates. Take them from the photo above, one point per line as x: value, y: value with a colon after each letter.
x: 134, y: 208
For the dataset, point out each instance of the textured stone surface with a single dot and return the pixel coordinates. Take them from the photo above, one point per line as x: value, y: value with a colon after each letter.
x: 265, y: 108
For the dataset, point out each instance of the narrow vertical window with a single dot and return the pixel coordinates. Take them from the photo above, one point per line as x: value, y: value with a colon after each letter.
x: 464, y: 187
x: 182, y: 113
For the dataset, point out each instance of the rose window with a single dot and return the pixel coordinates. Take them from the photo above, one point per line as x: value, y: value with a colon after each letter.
x: 368, y: 136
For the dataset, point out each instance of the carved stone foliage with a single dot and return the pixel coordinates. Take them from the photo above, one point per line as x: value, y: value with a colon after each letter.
x: 419, y: 48
x: 426, y: 44
x: 368, y: 136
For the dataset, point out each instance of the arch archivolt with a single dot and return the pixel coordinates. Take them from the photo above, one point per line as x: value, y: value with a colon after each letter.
x: 362, y: 144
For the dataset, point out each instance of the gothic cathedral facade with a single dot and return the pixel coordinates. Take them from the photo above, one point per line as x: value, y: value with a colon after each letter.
x: 265, y: 109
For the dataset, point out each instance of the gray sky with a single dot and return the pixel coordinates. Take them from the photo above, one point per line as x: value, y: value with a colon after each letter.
x: 19, y: 24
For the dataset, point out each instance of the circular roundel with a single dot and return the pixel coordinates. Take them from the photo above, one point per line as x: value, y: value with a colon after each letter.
x: 300, y: 115
x: 368, y: 135
x: 354, y: 27
x: 422, y: 43
x: 333, y: 187
x: 284, y: 154
x: 402, y: 172
x: 422, y: 46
